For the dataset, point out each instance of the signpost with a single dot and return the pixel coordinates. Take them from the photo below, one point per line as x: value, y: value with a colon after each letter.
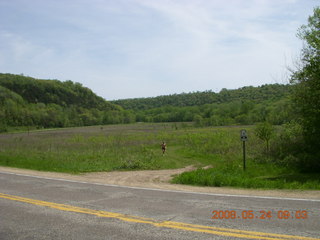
x: 244, y: 138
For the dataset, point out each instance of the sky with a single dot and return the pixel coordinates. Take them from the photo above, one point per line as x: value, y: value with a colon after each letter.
x: 144, y: 48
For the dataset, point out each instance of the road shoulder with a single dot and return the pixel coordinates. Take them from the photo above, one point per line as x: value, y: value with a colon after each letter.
x: 159, y: 179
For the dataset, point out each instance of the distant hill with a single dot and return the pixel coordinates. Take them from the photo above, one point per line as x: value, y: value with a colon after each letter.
x: 247, y: 105
x: 26, y: 101
x: 255, y: 94
x: 53, y: 91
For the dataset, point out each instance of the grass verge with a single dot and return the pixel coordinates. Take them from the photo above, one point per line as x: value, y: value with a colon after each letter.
x: 258, y: 176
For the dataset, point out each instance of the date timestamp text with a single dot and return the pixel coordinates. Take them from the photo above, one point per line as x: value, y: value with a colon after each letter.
x: 262, y: 214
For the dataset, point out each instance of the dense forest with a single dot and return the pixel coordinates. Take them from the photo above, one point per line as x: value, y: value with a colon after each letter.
x: 255, y: 94
x: 246, y: 105
x: 26, y: 101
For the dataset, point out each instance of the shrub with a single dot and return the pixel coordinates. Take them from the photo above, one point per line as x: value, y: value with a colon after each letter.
x: 264, y: 131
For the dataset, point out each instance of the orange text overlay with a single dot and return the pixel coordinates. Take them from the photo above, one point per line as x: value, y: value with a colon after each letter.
x: 260, y: 214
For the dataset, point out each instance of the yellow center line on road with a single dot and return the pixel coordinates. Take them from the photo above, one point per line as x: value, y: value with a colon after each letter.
x: 228, y: 232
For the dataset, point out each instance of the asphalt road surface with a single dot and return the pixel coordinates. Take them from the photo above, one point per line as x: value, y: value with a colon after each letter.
x: 42, y: 208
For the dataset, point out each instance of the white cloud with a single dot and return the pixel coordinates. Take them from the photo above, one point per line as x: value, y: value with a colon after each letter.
x: 145, y: 48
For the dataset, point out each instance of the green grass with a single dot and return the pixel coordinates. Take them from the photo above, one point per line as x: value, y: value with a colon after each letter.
x: 137, y: 147
x: 261, y: 176
x: 90, y: 149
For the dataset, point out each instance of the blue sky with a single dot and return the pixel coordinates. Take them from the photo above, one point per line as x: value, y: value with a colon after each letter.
x: 142, y: 48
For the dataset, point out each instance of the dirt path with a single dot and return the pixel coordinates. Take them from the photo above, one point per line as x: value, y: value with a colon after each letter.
x: 159, y: 179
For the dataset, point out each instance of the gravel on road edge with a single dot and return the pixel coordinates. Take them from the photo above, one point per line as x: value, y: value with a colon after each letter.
x: 159, y: 179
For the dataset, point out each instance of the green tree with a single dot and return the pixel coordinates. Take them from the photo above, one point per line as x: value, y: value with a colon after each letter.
x: 264, y: 131
x: 307, y: 89
x: 198, y: 121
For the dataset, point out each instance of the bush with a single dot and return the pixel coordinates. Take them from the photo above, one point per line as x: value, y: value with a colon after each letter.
x: 291, y: 151
x: 264, y: 131
x: 3, y: 128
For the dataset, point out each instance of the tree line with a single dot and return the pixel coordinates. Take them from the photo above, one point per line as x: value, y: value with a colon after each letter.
x: 247, y: 105
x: 26, y: 101
x: 255, y: 94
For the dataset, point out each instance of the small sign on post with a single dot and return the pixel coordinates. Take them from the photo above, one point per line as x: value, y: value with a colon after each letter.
x: 243, y: 135
x: 244, y: 138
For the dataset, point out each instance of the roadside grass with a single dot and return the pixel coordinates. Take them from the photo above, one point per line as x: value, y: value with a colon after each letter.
x: 137, y: 147
x: 257, y: 175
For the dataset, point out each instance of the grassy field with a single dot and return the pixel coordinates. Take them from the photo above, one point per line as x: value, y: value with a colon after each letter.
x: 137, y: 147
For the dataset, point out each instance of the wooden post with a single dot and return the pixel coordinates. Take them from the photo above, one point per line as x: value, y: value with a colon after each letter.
x: 244, y: 155
x: 244, y: 138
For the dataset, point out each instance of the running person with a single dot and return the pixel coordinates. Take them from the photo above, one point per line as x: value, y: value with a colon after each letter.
x: 163, y: 147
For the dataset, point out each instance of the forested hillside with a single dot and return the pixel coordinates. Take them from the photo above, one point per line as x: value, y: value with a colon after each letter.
x: 25, y: 101
x: 246, y: 105
x: 53, y: 91
x: 256, y: 94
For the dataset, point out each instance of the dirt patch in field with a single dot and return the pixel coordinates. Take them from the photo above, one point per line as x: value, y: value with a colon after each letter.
x: 159, y: 179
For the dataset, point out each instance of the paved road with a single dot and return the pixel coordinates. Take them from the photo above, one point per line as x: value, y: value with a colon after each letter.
x: 40, y: 208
